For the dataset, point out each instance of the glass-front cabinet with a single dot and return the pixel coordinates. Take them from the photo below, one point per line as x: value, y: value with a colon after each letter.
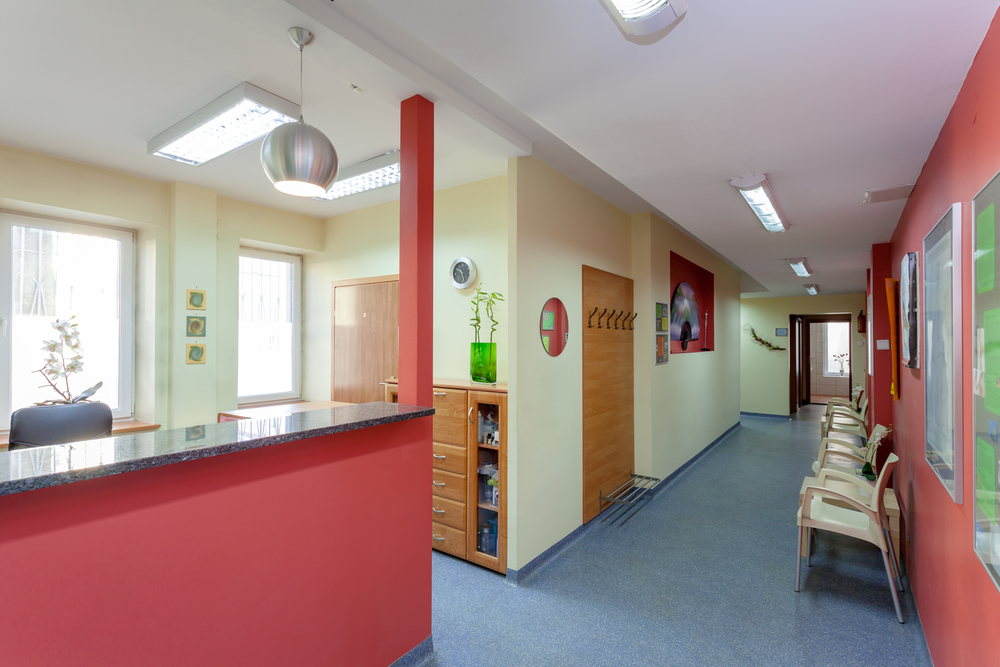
x: 487, y: 537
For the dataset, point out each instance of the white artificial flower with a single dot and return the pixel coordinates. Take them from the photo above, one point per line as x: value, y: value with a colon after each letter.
x: 50, y: 345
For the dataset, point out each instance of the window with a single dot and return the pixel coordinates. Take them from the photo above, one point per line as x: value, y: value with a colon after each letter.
x: 838, y: 347
x: 60, y: 270
x: 269, y: 335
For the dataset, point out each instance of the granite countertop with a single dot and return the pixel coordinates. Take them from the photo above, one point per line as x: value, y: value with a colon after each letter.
x: 38, y: 467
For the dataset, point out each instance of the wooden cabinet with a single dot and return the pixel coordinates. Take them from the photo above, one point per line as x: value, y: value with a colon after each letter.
x: 469, y: 460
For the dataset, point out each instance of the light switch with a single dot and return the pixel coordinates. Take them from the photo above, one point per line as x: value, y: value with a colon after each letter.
x: 882, y: 345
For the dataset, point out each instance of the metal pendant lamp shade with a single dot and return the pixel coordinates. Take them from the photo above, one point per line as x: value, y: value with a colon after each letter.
x: 299, y: 160
x: 297, y: 157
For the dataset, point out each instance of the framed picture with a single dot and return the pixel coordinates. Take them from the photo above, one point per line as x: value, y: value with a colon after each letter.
x: 781, y: 332
x: 986, y: 398
x: 195, y: 353
x: 548, y: 320
x: 942, y: 320
x: 909, y: 310
x: 662, y: 348
x: 196, y: 299
x: 196, y: 326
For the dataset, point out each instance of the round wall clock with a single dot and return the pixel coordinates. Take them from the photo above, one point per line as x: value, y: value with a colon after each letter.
x: 463, y: 272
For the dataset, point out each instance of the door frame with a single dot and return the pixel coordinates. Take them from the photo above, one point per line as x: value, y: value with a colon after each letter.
x: 352, y: 282
x: 802, y: 346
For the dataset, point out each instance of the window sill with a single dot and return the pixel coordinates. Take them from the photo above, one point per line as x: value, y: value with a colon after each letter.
x: 117, y: 428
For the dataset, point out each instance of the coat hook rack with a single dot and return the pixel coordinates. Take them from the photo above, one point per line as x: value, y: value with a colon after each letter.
x: 590, y: 325
x: 607, y: 322
x: 599, y: 318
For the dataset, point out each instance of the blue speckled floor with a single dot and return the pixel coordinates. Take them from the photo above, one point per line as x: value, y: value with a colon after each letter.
x: 702, y: 576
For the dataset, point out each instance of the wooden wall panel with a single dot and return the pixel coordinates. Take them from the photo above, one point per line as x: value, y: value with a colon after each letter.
x: 608, y: 401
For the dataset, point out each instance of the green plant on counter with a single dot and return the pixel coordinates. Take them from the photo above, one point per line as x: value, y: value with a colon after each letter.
x: 487, y: 300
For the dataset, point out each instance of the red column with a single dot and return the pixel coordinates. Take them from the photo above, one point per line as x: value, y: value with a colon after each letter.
x: 416, y: 251
x: 880, y: 402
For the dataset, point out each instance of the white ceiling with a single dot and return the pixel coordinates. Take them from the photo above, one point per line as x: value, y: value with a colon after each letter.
x: 827, y: 100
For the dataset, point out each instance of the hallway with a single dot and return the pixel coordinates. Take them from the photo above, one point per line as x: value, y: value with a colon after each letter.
x: 701, y: 576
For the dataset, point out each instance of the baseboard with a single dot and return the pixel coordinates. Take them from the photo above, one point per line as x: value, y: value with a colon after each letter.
x: 666, y: 481
x: 516, y: 578
x: 418, y: 655
x: 764, y: 415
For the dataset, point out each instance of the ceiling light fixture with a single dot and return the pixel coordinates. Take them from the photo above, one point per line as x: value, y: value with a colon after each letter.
x: 240, y: 117
x: 298, y: 158
x: 644, y: 17
x: 377, y: 172
x: 757, y: 192
x: 799, y: 267
x: 812, y: 289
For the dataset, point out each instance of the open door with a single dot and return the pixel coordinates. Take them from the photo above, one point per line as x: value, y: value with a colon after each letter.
x: 796, y: 380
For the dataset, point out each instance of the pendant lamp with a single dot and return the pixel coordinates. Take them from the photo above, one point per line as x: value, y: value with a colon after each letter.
x: 298, y: 158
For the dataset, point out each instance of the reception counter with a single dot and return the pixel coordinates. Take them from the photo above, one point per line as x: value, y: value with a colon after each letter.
x: 294, y: 540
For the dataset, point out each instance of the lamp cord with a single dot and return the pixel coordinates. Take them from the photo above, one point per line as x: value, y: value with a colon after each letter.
x: 300, y: 84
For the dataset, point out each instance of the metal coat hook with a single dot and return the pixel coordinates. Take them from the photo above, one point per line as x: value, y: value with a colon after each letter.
x: 599, y: 318
x: 590, y: 325
x: 631, y: 321
x: 607, y: 322
x: 625, y: 320
x: 618, y: 318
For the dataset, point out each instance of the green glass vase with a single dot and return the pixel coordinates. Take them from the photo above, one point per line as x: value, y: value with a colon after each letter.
x: 483, y: 363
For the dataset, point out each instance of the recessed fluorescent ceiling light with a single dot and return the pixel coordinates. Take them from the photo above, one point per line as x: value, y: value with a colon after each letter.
x: 644, y: 17
x: 757, y: 193
x: 799, y: 267
x: 812, y: 289
x: 240, y: 117
x: 377, y: 172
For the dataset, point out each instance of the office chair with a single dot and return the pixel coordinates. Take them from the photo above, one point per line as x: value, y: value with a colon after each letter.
x: 43, y: 425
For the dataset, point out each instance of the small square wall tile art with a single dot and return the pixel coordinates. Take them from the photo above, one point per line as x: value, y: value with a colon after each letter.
x: 195, y: 353
x: 196, y: 326
x: 196, y: 299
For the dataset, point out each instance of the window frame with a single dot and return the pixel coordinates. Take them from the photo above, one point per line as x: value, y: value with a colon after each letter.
x: 296, y: 393
x: 126, y: 303
x: 826, y: 350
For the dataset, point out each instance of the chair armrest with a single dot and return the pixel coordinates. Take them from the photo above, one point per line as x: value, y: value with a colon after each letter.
x: 841, y: 401
x: 810, y: 491
x: 837, y: 442
x: 842, y: 417
x: 846, y: 455
x: 827, y: 473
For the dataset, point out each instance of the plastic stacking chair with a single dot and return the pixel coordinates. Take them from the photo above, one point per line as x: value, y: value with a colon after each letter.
x: 840, y: 419
x: 836, y: 447
x: 865, y: 522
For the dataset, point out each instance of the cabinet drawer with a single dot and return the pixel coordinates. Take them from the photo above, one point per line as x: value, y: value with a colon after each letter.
x: 450, y: 415
x: 448, y: 512
x: 447, y: 539
x: 449, y: 457
x: 449, y: 485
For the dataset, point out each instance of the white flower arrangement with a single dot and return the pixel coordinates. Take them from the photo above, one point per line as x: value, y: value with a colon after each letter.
x: 57, y: 367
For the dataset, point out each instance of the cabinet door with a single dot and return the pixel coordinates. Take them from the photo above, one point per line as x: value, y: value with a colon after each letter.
x: 487, y: 479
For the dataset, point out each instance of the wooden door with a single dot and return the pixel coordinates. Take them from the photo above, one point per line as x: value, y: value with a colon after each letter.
x: 365, y: 339
x: 608, y: 405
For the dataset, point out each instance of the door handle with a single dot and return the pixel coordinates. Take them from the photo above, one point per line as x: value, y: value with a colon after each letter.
x: 440, y: 393
x: 470, y: 414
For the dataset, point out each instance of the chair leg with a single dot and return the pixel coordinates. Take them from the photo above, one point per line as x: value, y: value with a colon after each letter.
x: 809, y: 544
x: 798, y: 560
x: 892, y: 587
x: 893, y: 561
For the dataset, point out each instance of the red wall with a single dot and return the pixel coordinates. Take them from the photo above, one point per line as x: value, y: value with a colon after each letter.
x: 307, y: 553
x: 958, y: 603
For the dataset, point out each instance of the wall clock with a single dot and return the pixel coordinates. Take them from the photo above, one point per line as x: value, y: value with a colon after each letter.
x: 463, y: 272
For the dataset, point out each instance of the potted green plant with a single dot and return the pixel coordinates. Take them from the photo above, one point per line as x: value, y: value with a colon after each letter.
x: 483, y: 358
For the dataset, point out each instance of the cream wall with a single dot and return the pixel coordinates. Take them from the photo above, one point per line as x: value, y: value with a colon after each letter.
x: 187, y: 237
x: 764, y: 374
x: 556, y: 225
x: 694, y: 398
x: 469, y: 221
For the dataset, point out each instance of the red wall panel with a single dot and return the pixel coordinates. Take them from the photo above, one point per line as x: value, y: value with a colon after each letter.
x: 306, y: 553
x: 958, y: 603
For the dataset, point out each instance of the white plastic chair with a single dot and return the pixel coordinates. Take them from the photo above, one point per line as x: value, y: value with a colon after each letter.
x: 864, y: 522
x: 840, y: 419
x: 836, y: 447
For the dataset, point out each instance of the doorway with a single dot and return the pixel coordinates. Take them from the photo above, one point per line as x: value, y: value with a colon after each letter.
x: 820, y: 359
x: 365, y: 338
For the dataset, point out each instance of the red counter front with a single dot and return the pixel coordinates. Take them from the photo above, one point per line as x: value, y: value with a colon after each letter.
x: 312, y: 552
